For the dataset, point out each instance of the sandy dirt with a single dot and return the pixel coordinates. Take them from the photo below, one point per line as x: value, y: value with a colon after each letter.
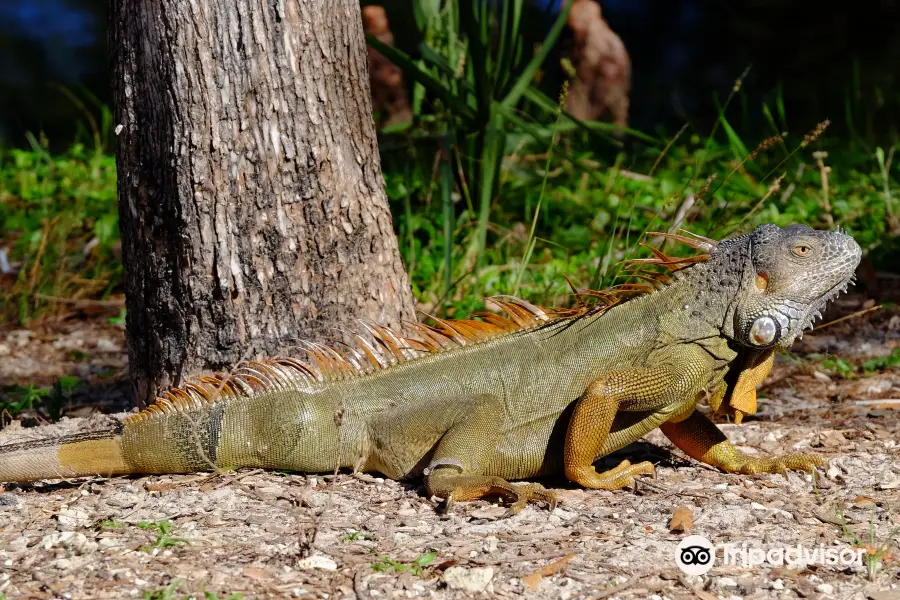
x: 272, y: 535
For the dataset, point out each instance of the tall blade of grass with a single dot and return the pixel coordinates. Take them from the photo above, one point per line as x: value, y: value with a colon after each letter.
x: 490, y: 158
x: 449, y: 213
x: 503, y: 52
x: 738, y: 148
x: 537, y: 210
x: 418, y: 74
x: 884, y: 167
x: 424, y: 11
x: 80, y: 105
x: 528, y: 73
x: 767, y: 113
x: 712, y: 134
x: 548, y: 105
x: 779, y: 106
x: 473, y: 17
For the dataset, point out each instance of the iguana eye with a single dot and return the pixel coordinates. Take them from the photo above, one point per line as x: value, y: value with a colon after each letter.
x: 801, y: 250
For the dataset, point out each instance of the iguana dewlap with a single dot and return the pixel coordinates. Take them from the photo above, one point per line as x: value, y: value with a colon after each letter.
x: 474, y: 404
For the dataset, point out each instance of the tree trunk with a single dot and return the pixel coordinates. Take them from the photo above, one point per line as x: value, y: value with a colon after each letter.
x: 251, y: 198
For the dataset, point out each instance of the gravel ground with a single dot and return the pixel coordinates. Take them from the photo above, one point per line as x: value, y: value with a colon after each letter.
x: 271, y: 535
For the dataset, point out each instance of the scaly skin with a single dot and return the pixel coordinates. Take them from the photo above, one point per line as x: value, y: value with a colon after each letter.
x: 478, y: 410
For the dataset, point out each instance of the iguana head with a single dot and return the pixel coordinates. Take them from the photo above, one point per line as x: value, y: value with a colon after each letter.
x: 772, y: 284
x: 781, y: 279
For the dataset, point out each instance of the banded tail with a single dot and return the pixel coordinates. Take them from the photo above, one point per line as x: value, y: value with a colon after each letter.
x: 78, y: 455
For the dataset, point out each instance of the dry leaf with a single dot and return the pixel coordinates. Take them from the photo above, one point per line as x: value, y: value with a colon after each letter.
x: 532, y: 580
x: 864, y: 502
x: 682, y: 520
x: 256, y: 573
x: 556, y: 566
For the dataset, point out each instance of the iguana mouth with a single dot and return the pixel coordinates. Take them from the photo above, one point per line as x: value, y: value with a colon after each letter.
x: 814, y: 312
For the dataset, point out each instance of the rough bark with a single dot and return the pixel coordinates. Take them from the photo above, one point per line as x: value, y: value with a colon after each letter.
x: 251, y: 198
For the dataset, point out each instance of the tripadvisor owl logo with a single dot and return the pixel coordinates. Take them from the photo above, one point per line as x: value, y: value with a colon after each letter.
x: 695, y: 555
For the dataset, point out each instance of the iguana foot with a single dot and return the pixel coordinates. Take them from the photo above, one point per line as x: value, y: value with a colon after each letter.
x: 531, y: 492
x: 614, y: 479
x: 749, y: 465
x: 456, y: 488
x: 699, y: 438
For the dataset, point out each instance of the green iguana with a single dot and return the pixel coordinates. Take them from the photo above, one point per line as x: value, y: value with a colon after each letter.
x: 472, y: 404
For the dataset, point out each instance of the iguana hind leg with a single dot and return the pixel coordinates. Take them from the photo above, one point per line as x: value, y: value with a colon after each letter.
x: 699, y: 438
x: 455, y: 487
x: 459, y: 437
x: 457, y: 469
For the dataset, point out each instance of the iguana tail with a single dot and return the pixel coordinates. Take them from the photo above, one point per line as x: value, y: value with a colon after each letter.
x: 96, y: 453
x: 283, y: 429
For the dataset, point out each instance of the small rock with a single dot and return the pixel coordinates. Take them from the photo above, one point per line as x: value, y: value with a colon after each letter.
x: 778, y: 584
x: 63, y: 564
x: 879, y: 386
x: 18, y: 544
x: 833, y: 472
x: 72, y: 518
x: 257, y: 519
x: 71, y: 540
x: 8, y: 501
x: 821, y: 376
x: 107, y: 345
x: 317, y: 561
x: 726, y: 582
x: 316, y: 499
x: 491, y: 512
x: 894, y: 323
x: 564, y: 514
x: 470, y: 580
x: 825, y: 588
x: 891, y: 482
x: 489, y: 546
x: 747, y: 585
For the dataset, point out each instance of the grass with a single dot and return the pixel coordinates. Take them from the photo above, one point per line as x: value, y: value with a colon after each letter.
x: 164, y: 537
x: 561, y: 209
x: 385, y: 564
x: 170, y: 593
x: 60, y: 223
x: 576, y: 214
x: 860, y: 368
x: 877, y: 552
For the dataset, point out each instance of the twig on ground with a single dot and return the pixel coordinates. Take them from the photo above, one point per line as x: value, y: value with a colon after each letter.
x: 618, y: 589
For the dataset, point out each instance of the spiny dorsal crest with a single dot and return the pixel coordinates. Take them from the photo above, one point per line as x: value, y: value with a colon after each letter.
x: 384, y: 347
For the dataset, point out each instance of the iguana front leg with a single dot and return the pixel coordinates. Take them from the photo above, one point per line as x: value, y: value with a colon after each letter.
x: 699, y: 438
x: 663, y: 391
